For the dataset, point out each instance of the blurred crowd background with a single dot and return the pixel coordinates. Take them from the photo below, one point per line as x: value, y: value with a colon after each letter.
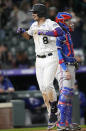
x: 15, y: 51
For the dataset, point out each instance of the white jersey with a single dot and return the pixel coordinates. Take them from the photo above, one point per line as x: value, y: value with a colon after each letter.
x: 43, y: 44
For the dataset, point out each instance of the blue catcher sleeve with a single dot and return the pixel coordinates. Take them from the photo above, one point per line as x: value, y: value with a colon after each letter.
x: 61, y: 60
x: 62, y: 38
x: 57, y: 32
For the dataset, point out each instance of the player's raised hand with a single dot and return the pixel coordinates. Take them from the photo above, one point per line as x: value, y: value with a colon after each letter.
x: 20, y: 30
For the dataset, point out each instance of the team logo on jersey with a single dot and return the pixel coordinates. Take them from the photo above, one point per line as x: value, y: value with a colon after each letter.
x: 35, y: 32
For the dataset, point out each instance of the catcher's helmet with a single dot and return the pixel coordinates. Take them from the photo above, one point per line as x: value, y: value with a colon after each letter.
x: 39, y: 9
x: 61, y: 18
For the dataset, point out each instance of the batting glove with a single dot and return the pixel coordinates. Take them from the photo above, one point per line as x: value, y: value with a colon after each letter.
x: 20, y: 30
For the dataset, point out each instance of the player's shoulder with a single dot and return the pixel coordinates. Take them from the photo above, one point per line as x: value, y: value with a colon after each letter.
x: 51, y: 22
x: 34, y: 24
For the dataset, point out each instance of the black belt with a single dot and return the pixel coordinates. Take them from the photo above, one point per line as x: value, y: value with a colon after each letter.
x: 44, y: 56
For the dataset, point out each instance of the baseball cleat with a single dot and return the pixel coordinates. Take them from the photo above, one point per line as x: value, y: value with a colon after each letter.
x: 73, y: 127
x: 60, y: 128
x: 51, y: 125
x: 52, y: 120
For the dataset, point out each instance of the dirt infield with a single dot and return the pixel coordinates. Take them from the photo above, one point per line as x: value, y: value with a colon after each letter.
x: 83, y: 129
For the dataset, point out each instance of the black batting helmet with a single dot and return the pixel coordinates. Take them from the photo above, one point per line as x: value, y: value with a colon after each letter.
x: 39, y: 9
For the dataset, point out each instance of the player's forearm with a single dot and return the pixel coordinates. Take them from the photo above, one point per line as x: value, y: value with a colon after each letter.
x: 25, y: 35
x: 62, y: 38
x: 61, y: 60
x: 63, y: 66
x: 57, y: 32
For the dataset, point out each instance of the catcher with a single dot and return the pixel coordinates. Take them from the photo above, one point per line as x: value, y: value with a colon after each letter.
x: 66, y: 71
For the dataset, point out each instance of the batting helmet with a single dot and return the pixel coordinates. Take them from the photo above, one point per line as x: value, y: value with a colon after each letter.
x: 39, y: 9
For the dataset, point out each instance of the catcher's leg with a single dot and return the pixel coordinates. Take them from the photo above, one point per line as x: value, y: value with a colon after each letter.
x: 62, y: 106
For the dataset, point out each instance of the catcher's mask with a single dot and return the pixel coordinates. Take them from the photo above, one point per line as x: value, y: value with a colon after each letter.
x: 62, y: 18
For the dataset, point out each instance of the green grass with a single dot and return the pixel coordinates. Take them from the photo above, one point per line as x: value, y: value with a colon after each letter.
x: 32, y: 129
x: 83, y: 126
x: 26, y: 129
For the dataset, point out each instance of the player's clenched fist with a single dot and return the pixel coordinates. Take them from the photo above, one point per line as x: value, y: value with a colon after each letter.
x: 20, y: 30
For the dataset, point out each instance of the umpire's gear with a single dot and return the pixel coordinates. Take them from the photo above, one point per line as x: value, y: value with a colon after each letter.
x: 39, y: 9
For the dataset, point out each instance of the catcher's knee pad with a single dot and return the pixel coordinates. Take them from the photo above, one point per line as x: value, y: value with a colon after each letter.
x: 64, y: 104
x: 66, y: 94
x: 62, y: 111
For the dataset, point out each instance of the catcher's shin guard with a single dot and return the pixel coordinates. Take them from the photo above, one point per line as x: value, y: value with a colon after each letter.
x: 64, y: 98
x: 69, y: 109
x: 69, y: 113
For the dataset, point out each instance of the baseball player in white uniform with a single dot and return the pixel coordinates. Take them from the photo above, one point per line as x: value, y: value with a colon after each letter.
x: 46, y: 57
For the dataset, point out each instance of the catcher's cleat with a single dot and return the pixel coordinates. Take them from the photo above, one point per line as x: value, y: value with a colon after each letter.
x: 73, y: 127
x: 61, y: 128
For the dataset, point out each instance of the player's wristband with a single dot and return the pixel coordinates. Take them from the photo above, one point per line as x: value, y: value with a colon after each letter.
x: 20, y: 30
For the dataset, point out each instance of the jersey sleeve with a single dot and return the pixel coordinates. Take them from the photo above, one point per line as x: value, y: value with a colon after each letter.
x: 53, y: 25
x: 54, y: 30
x: 62, y: 38
x: 30, y: 30
x: 61, y: 60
